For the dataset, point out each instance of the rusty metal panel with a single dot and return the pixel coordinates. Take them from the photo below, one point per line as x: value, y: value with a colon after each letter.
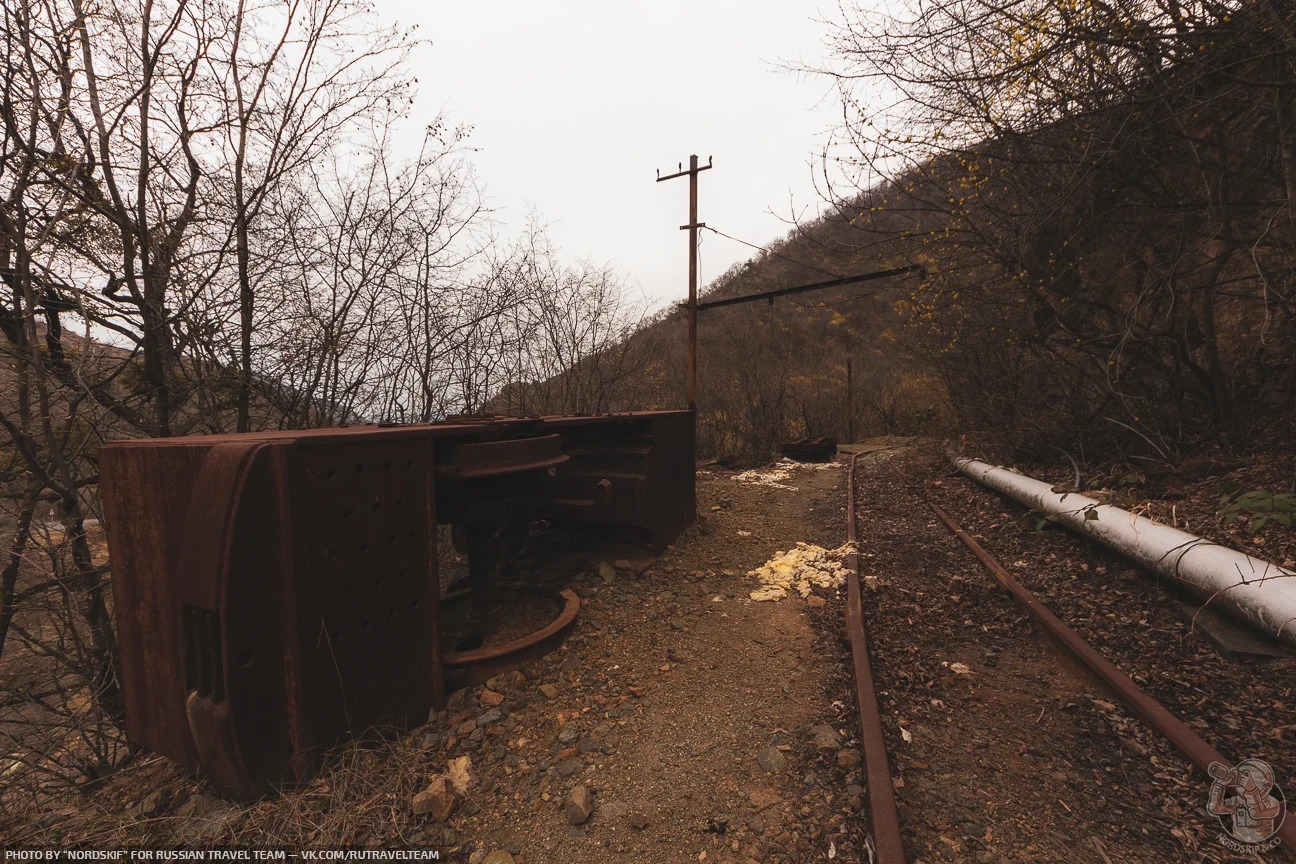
x: 145, y: 497
x: 366, y: 586
x: 274, y: 597
x: 230, y: 576
x: 276, y: 593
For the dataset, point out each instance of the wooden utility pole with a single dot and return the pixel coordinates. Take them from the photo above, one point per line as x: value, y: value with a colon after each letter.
x: 692, y: 226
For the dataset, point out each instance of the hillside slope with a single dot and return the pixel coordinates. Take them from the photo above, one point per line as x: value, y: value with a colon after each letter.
x: 774, y: 371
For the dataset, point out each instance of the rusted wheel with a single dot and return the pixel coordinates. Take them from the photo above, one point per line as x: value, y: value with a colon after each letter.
x: 464, y: 668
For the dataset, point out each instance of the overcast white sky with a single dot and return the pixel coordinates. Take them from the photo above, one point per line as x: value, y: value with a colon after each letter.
x: 576, y: 104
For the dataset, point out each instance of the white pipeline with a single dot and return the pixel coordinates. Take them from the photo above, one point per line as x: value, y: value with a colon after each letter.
x: 1260, y: 593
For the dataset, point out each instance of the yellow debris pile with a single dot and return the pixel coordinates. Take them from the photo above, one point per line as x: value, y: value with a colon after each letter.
x: 801, y: 569
x: 780, y: 471
x: 773, y: 479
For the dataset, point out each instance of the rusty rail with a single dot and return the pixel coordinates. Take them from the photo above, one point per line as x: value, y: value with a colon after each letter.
x: 1156, y: 715
x: 884, y: 818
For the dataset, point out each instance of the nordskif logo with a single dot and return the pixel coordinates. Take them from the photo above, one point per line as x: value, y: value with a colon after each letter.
x: 1248, y: 804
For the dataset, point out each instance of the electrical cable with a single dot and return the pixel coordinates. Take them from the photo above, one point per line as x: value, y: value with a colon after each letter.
x: 771, y: 252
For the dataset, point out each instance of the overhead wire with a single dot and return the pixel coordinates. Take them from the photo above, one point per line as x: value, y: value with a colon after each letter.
x: 767, y: 251
x: 772, y: 252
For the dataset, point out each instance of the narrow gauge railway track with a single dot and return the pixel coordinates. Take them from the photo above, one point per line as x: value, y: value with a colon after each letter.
x: 1100, y: 837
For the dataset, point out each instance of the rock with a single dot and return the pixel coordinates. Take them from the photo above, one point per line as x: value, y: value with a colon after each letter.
x: 855, y: 801
x: 987, y: 857
x: 613, y: 810
x: 437, y: 800
x: 607, y: 571
x: 494, y: 715
x: 467, y: 727
x: 490, y: 698
x: 639, y: 819
x: 814, y: 601
x: 207, y: 805
x: 771, y: 759
x: 550, y: 691
x: 499, y: 856
x: 622, y: 564
x: 569, y: 766
x: 579, y: 805
x: 1133, y: 746
x: 848, y: 758
x: 756, y: 825
x: 588, y: 745
x: 150, y: 804
x: 568, y: 733
x: 477, y: 857
x: 973, y: 830
x: 825, y: 737
x: 459, y: 774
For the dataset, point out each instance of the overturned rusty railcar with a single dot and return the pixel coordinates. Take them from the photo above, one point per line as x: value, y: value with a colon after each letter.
x: 277, y: 593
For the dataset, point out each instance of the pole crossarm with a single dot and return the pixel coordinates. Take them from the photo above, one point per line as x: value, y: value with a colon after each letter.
x: 815, y: 286
x: 683, y: 172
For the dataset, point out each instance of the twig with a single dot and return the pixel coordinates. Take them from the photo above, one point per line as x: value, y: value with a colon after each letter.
x: 1098, y: 847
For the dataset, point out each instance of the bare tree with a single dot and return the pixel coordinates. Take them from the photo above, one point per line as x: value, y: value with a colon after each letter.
x: 296, y: 77
x: 572, y: 337
x: 1095, y: 193
x: 151, y: 158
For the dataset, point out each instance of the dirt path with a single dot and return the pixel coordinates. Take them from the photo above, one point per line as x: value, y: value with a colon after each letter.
x: 673, y: 684
x: 1005, y: 750
x: 705, y: 726
x: 658, y: 705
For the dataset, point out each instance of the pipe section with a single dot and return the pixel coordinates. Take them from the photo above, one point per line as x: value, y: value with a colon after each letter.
x: 1258, y: 592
